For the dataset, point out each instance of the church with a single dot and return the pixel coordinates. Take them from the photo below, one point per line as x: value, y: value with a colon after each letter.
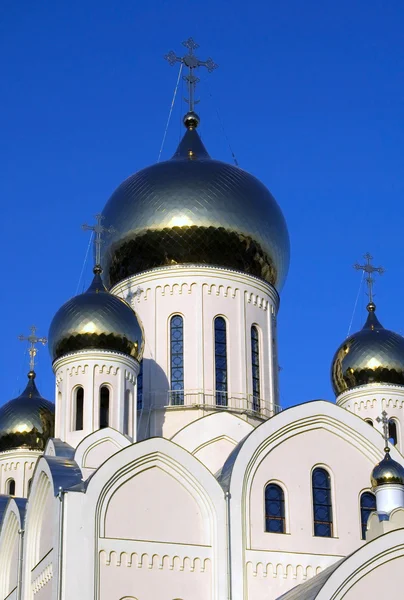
x: 165, y: 468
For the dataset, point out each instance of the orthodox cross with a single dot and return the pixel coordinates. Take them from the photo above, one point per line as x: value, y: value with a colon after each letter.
x: 98, y: 229
x: 385, y: 425
x: 32, y: 350
x: 369, y: 269
x: 192, y: 62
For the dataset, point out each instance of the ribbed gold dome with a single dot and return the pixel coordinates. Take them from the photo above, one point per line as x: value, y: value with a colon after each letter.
x: 193, y: 209
x: 96, y: 320
x: 387, y: 471
x: 372, y: 355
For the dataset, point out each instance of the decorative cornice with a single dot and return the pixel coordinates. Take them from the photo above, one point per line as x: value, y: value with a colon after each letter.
x: 94, y: 355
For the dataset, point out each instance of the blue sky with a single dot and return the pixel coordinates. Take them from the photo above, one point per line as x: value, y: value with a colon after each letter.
x: 311, y: 98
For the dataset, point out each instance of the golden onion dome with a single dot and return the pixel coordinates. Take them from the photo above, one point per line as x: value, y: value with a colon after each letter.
x: 372, y: 355
x: 96, y: 320
x: 387, y: 471
x: 27, y: 421
x: 192, y: 209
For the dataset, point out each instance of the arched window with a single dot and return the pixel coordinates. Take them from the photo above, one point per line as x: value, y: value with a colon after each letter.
x: 139, y: 393
x: 10, y: 487
x: 274, y: 509
x: 369, y: 422
x: 393, y: 432
x: 127, y: 412
x: 177, y: 360
x: 78, y: 409
x: 220, y: 361
x: 255, y: 365
x: 322, y: 504
x: 104, y: 406
x: 368, y: 505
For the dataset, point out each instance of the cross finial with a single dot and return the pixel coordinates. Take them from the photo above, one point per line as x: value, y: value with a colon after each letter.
x: 385, y: 424
x: 98, y: 229
x: 32, y: 350
x: 369, y: 269
x: 192, y: 62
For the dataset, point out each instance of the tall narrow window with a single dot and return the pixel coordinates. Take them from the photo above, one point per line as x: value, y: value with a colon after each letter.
x: 78, y: 409
x: 127, y: 412
x: 393, y: 432
x: 255, y: 363
x: 29, y: 485
x: 139, y: 393
x: 368, y: 505
x: 11, y: 487
x: 177, y: 360
x: 104, y: 406
x: 322, y: 505
x: 220, y: 361
x: 274, y: 509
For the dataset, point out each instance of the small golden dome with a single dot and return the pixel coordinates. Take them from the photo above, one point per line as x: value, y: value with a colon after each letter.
x: 96, y: 320
x: 387, y: 471
x: 372, y: 355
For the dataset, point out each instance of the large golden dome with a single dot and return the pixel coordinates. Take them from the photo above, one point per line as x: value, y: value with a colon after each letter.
x: 195, y: 210
x: 96, y: 320
x: 372, y: 355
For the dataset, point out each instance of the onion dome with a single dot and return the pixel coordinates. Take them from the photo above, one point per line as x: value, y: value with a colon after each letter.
x: 193, y: 209
x: 372, y: 355
x: 26, y: 421
x: 387, y: 471
x: 96, y: 320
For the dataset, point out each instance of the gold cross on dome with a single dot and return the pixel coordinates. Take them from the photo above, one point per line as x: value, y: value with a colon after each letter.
x: 98, y: 229
x: 33, y: 341
x: 385, y: 425
x: 369, y: 269
x: 192, y: 62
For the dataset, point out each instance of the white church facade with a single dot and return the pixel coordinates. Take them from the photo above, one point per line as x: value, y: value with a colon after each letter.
x: 166, y: 468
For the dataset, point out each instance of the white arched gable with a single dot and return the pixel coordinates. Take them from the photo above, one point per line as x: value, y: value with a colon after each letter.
x: 10, y: 547
x: 98, y: 447
x: 156, y: 480
x: 213, y: 437
x: 373, y: 571
x: 288, y: 436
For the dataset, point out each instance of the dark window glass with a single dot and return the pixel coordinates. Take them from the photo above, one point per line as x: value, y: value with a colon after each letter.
x: 126, y: 412
x: 274, y: 509
x: 368, y: 505
x: 79, y: 409
x: 104, y: 407
x: 177, y: 360
x: 393, y: 432
x: 322, y: 506
x: 29, y: 485
x: 11, y: 487
x: 369, y: 422
x: 255, y: 362
x: 139, y: 398
x: 220, y: 361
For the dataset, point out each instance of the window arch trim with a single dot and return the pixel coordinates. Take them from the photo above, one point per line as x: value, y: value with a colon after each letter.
x: 77, y: 416
x: 284, y: 490
x: 105, y: 422
x: 221, y: 373
x: 362, y: 522
x: 256, y: 361
x: 176, y: 359
x: 332, y: 504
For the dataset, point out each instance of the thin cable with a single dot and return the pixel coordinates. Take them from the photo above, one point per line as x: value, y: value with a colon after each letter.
x: 84, y: 263
x: 356, y: 303
x: 222, y: 125
x: 170, y: 113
